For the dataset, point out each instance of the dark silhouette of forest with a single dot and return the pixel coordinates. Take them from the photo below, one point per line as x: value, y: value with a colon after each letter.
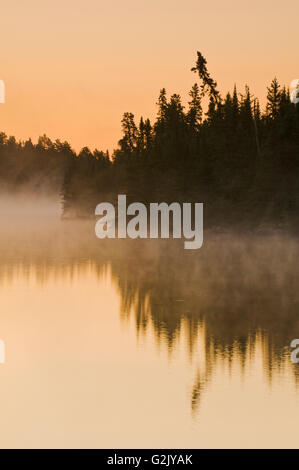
x: 40, y: 167
x: 240, y: 161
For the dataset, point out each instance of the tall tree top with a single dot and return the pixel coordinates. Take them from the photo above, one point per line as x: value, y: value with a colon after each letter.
x: 208, y: 84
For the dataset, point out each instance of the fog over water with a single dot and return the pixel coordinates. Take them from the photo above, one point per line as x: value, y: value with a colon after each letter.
x: 140, y: 343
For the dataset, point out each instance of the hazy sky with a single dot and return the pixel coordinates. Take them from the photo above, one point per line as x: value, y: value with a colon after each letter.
x: 72, y: 67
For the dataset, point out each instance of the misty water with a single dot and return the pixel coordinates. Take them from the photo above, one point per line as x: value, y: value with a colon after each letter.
x: 140, y: 343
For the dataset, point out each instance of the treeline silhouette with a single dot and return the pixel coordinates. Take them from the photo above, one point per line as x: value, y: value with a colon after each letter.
x: 240, y: 161
x: 35, y: 167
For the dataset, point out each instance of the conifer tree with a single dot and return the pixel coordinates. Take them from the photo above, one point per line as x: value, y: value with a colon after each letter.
x: 162, y: 104
x: 235, y: 104
x: 129, y: 140
x: 194, y: 116
x: 273, y: 99
x: 148, y: 136
x: 208, y: 84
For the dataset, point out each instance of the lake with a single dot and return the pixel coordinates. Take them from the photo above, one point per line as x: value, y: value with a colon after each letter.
x: 140, y: 343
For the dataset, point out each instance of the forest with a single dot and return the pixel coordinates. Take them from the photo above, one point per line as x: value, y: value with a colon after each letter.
x: 241, y: 161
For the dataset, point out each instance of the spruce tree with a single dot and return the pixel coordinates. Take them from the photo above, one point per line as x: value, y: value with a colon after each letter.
x: 273, y: 99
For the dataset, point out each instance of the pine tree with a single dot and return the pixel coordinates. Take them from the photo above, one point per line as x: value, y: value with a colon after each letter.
x: 256, y: 122
x: 284, y: 102
x: 148, y: 135
x: 129, y: 141
x: 208, y: 84
x: 141, y: 136
x: 235, y: 104
x: 162, y: 104
x: 212, y: 110
x: 245, y: 107
x: 194, y: 116
x: 273, y: 99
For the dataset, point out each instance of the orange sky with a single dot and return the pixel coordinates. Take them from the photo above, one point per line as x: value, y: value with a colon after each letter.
x: 72, y: 67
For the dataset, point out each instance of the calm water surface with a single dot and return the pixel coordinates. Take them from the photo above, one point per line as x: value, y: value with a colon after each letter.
x: 142, y: 343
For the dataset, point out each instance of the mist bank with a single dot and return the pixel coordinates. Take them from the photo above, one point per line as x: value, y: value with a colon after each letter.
x: 28, y: 208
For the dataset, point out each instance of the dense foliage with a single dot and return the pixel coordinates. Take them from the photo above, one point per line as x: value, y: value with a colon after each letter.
x: 243, y: 163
